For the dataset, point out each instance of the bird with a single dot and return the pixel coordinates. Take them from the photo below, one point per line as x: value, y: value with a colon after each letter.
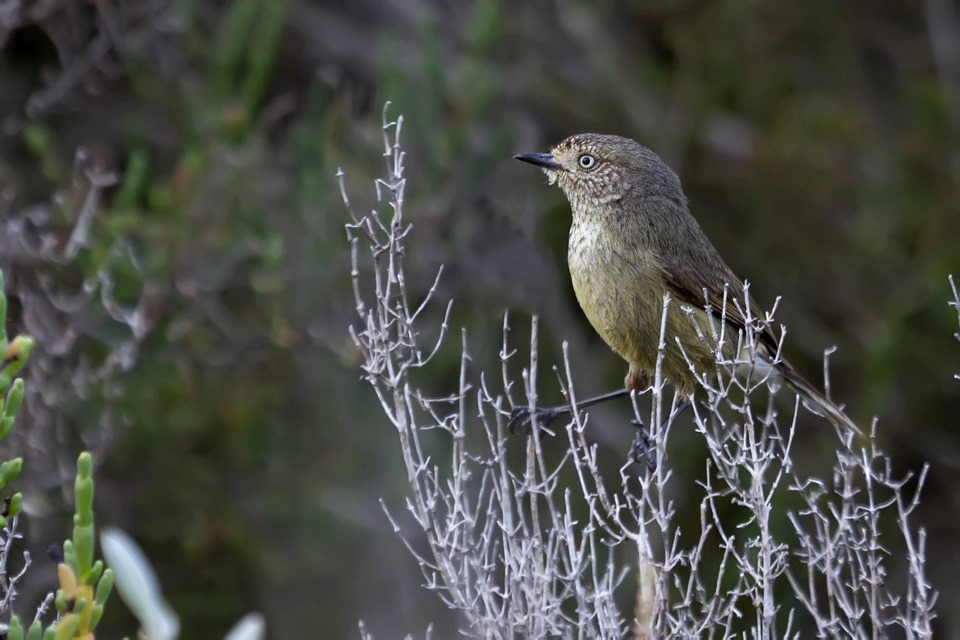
x: 632, y: 241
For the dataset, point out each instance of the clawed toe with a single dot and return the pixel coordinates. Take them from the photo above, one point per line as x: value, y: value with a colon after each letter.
x: 519, y: 421
x: 642, y: 449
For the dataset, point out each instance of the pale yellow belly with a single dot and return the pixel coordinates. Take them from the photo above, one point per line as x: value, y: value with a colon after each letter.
x: 623, y: 300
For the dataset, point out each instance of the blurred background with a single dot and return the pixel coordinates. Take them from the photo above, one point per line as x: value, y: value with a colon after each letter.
x: 172, y: 234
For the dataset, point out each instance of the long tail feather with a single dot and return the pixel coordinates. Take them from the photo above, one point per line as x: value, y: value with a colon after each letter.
x: 815, y: 400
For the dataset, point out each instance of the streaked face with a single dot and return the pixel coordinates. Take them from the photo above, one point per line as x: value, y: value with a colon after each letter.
x: 591, y: 169
x: 594, y: 169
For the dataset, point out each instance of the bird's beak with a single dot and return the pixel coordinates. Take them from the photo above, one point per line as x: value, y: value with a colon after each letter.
x: 544, y: 160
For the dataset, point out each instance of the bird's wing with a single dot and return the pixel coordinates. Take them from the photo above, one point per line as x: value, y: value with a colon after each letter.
x: 687, y: 284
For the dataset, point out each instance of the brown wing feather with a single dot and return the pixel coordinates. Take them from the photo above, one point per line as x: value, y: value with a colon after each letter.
x: 687, y: 285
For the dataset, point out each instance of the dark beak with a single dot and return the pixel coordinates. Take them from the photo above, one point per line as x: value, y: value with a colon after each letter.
x: 544, y: 160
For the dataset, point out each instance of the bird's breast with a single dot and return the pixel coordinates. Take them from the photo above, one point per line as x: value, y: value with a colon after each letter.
x: 619, y: 285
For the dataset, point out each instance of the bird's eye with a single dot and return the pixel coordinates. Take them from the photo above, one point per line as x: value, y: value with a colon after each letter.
x: 587, y: 161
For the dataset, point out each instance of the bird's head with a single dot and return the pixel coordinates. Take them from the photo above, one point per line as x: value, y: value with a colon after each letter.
x: 594, y: 170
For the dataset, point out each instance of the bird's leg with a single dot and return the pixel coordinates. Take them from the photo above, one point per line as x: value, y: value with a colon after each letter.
x: 641, y: 450
x: 682, y: 404
x: 521, y: 420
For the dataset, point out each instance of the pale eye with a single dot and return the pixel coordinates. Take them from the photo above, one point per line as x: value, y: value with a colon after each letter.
x: 587, y: 161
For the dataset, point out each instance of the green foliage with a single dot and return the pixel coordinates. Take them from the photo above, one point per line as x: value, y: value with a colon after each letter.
x: 15, y: 356
x: 41, y: 143
x: 183, y: 205
x: 243, y: 61
x: 84, y: 584
x: 79, y: 576
x: 451, y: 96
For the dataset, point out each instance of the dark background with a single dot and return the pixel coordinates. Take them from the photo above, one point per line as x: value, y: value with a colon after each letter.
x: 818, y: 142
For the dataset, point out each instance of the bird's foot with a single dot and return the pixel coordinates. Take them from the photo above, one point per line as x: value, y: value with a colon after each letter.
x: 642, y: 449
x: 521, y: 419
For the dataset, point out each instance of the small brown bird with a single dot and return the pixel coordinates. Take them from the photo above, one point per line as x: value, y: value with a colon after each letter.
x: 633, y: 240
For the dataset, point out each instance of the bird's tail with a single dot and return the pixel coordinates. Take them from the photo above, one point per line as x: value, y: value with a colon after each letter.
x: 815, y: 400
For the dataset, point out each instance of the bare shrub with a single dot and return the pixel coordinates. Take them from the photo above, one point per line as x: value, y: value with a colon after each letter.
x: 518, y: 550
